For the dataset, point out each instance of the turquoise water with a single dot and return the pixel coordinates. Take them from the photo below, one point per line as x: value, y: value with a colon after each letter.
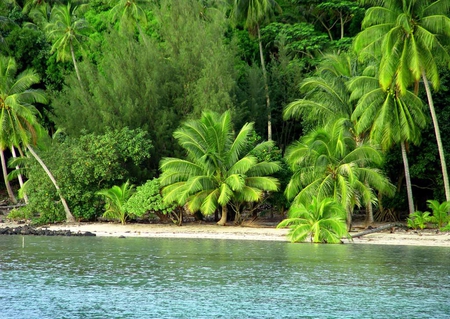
x: 59, y: 277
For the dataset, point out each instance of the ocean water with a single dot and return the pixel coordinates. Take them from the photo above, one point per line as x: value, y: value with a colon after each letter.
x: 64, y: 277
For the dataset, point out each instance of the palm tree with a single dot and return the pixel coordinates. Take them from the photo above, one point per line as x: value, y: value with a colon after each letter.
x: 66, y: 29
x: 326, y: 96
x: 129, y: 12
x: 254, y: 13
x: 218, y: 167
x: 409, y: 37
x: 116, y: 198
x: 328, y: 162
x: 391, y: 118
x: 323, y: 221
x: 18, y: 122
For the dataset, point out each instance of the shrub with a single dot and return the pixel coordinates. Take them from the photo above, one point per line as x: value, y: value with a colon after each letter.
x: 148, y: 199
x: 419, y: 220
x: 116, y: 198
x: 440, y: 216
x: 83, y: 166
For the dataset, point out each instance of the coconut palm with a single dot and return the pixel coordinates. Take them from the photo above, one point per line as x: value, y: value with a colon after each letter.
x: 129, y: 12
x: 218, y: 167
x: 253, y: 13
x: 326, y: 96
x: 390, y: 117
x: 116, y: 197
x: 409, y: 36
x: 18, y: 117
x: 328, y: 162
x: 66, y: 29
x: 323, y: 221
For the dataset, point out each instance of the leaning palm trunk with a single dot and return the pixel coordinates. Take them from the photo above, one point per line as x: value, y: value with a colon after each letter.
x: 266, y: 87
x: 5, y: 177
x: 438, y: 137
x: 408, y: 179
x: 69, y: 216
x: 223, y: 218
x: 75, y: 63
x: 19, y: 177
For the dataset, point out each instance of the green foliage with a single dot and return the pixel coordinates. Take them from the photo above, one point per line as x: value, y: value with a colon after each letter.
x: 322, y: 220
x: 19, y: 214
x: 116, y: 198
x: 218, y: 168
x: 326, y: 95
x: 410, y: 38
x: 419, y: 220
x: 147, y: 199
x: 253, y: 13
x: 328, y: 162
x: 440, y: 213
x: 84, y: 165
x: 300, y: 39
x: 153, y: 83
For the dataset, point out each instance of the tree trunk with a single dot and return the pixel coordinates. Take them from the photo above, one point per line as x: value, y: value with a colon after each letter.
x: 5, y: 178
x: 266, y: 87
x: 379, y: 229
x: 223, y: 218
x: 69, y: 216
x: 75, y: 63
x: 437, y: 132
x: 349, y: 220
x: 369, y: 214
x: 408, y: 179
x: 25, y: 197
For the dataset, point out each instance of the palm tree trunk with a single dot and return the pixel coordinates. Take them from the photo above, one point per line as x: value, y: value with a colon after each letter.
x: 437, y: 132
x: 69, y: 216
x: 408, y: 179
x: 5, y: 177
x: 266, y: 87
x: 75, y: 63
x: 369, y: 214
x: 223, y: 219
x: 25, y: 197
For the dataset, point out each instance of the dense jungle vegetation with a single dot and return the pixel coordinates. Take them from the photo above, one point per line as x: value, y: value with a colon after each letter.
x: 234, y: 108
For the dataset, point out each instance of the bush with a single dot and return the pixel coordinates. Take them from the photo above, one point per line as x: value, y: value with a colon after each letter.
x: 419, y: 220
x: 83, y: 166
x: 148, y: 199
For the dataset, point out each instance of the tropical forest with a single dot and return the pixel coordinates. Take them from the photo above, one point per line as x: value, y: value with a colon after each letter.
x: 315, y: 111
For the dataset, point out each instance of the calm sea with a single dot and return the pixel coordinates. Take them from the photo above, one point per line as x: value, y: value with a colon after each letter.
x: 63, y: 277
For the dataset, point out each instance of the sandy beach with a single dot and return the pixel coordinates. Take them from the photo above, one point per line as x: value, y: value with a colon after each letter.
x: 249, y: 232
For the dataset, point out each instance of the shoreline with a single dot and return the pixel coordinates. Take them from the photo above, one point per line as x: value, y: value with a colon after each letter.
x: 246, y: 232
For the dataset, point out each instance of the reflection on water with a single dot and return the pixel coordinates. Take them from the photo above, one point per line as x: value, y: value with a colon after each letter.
x: 200, y: 278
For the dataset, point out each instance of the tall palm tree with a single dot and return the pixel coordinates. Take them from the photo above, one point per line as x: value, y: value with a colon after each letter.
x: 253, y: 13
x: 129, y: 12
x: 328, y: 162
x: 409, y: 36
x: 18, y: 122
x: 67, y: 31
x: 218, y: 167
x: 391, y: 118
x: 326, y: 96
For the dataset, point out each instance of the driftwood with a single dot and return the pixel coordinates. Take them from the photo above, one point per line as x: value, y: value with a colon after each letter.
x: 12, y: 206
x: 378, y: 229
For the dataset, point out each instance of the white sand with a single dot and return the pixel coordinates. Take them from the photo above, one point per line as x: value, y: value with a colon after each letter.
x: 192, y: 230
x: 249, y: 232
